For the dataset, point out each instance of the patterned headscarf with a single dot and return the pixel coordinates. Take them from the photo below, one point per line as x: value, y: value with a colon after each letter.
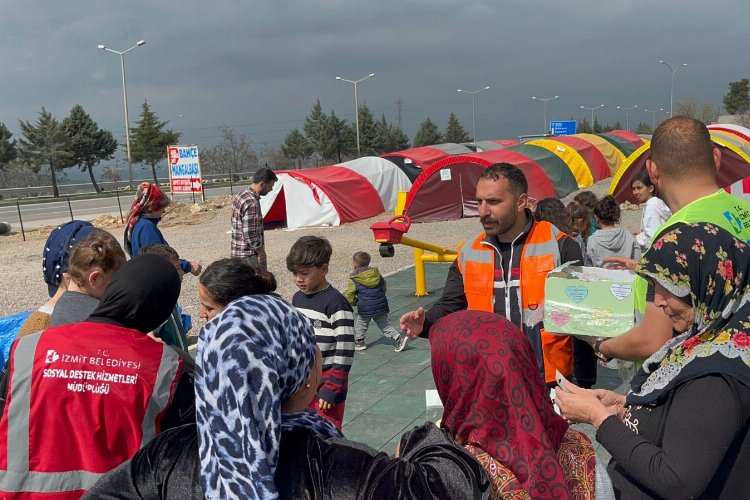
x: 252, y: 356
x: 148, y: 198
x: 59, y: 243
x: 494, y: 397
x: 709, y: 269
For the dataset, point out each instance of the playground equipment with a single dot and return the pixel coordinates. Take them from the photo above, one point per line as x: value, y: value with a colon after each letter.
x: 392, y: 233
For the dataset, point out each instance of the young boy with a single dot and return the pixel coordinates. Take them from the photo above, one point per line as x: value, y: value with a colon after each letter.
x: 333, y: 320
x: 366, y: 290
x: 174, y: 331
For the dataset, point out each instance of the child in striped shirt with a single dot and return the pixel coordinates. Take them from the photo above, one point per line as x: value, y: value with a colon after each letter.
x: 332, y: 318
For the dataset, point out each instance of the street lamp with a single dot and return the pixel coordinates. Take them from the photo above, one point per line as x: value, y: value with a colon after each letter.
x: 671, y: 91
x: 545, y: 129
x: 627, y: 115
x: 473, y: 115
x: 125, y: 99
x: 356, y: 103
x: 653, y: 117
x: 592, y: 114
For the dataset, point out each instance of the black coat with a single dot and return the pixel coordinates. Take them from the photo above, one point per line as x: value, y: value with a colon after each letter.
x: 431, y: 466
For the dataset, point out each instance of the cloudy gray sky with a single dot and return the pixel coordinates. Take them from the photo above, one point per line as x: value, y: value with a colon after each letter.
x: 258, y: 66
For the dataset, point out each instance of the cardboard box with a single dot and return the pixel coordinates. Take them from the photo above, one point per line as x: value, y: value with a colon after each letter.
x: 589, y: 301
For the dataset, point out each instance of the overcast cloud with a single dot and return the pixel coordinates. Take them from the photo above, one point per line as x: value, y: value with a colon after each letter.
x: 259, y: 66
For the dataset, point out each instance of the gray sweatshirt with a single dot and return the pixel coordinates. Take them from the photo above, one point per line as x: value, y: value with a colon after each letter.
x: 615, y: 242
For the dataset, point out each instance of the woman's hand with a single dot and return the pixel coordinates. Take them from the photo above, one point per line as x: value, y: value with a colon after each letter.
x: 615, y: 403
x: 586, y: 405
x: 614, y: 262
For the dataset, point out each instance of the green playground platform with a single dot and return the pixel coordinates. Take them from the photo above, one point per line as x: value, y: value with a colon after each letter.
x: 387, y: 389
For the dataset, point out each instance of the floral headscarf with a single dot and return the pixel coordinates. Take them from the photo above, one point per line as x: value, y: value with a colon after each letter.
x: 709, y: 269
x: 493, y: 397
x: 148, y: 198
x: 251, y: 357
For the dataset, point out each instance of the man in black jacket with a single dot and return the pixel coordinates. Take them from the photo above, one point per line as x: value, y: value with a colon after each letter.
x: 502, y: 198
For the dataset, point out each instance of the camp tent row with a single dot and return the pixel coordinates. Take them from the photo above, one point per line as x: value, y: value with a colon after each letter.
x: 554, y: 167
x: 732, y: 140
x: 440, y: 179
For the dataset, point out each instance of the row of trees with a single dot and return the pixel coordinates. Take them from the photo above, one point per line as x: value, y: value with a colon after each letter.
x: 78, y: 142
x: 327, y: 138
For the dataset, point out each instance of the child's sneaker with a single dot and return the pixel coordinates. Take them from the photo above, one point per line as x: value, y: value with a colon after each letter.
x: 359, y: 345
x: 401, y: 343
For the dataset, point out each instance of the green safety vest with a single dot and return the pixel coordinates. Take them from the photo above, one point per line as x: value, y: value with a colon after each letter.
x: 722, y: 209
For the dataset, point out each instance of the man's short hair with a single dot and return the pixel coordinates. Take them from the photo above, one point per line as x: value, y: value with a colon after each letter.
x: 682, y: 146
x: 514, y: 175
x: 362, y: 259
x: 264, y: 175
x: 309, y: 251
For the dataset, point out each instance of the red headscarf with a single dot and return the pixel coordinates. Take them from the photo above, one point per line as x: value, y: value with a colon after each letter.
x: 493, y: 397
x: 148, y: 198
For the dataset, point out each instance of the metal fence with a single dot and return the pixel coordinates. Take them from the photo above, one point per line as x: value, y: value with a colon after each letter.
x: 30, y: 213
x: 88, y: 187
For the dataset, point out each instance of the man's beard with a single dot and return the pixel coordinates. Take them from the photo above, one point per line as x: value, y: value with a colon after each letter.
x: 497, y: 226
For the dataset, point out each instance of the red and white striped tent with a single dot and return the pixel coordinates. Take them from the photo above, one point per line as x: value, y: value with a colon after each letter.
x: 334, y: 195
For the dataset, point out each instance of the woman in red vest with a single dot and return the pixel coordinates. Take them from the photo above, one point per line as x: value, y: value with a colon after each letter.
x: 79, y: 399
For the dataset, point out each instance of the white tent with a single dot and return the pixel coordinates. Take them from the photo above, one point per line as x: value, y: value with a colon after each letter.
x: 321, y: 196
x: 385, y: 177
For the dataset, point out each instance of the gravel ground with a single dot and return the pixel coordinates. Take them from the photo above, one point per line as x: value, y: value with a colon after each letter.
x: 209, y: 239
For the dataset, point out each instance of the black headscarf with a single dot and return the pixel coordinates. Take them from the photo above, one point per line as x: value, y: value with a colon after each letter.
x: 142, y: 294
x: 709, y: 269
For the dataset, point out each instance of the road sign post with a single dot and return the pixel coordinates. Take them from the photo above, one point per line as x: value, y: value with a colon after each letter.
x: 185, y: 170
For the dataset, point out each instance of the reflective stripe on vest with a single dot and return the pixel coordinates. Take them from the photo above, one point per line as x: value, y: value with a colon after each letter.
x: 540, y: 255
x: 18, y: 478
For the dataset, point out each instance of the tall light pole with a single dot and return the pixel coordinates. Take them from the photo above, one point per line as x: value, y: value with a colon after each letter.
x: 653, y: 117
x: 473, y: 114
x: 627, y: 115
x: 125, y: 100
x: 592, y: 114
x: 356, y: 103
x: 545, y: 129
x: 671, y: 89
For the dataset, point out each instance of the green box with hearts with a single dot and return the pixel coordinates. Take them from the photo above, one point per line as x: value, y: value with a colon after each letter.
x: 589, y: 301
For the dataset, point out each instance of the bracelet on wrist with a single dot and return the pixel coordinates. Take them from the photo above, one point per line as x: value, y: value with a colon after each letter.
x: 598, y: 353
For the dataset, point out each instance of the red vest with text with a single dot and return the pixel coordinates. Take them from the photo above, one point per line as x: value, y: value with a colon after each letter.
x: 540, y: 255
x: 82, y: 399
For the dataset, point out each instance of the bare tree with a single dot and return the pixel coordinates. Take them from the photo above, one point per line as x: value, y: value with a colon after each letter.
x: 275, y: 158
x: 111, y: 173
x: 701, y: 111
x: 232, y: 155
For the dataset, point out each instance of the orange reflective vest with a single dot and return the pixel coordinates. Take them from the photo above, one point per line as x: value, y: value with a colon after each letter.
x: 540, y: 255
x: 81, y: 399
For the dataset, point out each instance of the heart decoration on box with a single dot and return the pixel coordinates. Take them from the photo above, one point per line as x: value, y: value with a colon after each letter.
x: 576, y: 293
x: 620, y: 290
x: 559, y: 318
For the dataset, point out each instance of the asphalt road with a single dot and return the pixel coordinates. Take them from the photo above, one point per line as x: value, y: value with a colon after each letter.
x: 36, y: 215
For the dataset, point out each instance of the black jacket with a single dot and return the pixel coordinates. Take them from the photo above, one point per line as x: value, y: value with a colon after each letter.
x: 431, y: 466
x: 453, y: 298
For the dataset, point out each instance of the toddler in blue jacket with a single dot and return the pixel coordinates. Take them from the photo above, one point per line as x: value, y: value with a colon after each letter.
x: 366, y: 290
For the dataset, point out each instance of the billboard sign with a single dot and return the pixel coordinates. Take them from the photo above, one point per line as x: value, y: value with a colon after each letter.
x: 566, y: 127
x: 184, y: 169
